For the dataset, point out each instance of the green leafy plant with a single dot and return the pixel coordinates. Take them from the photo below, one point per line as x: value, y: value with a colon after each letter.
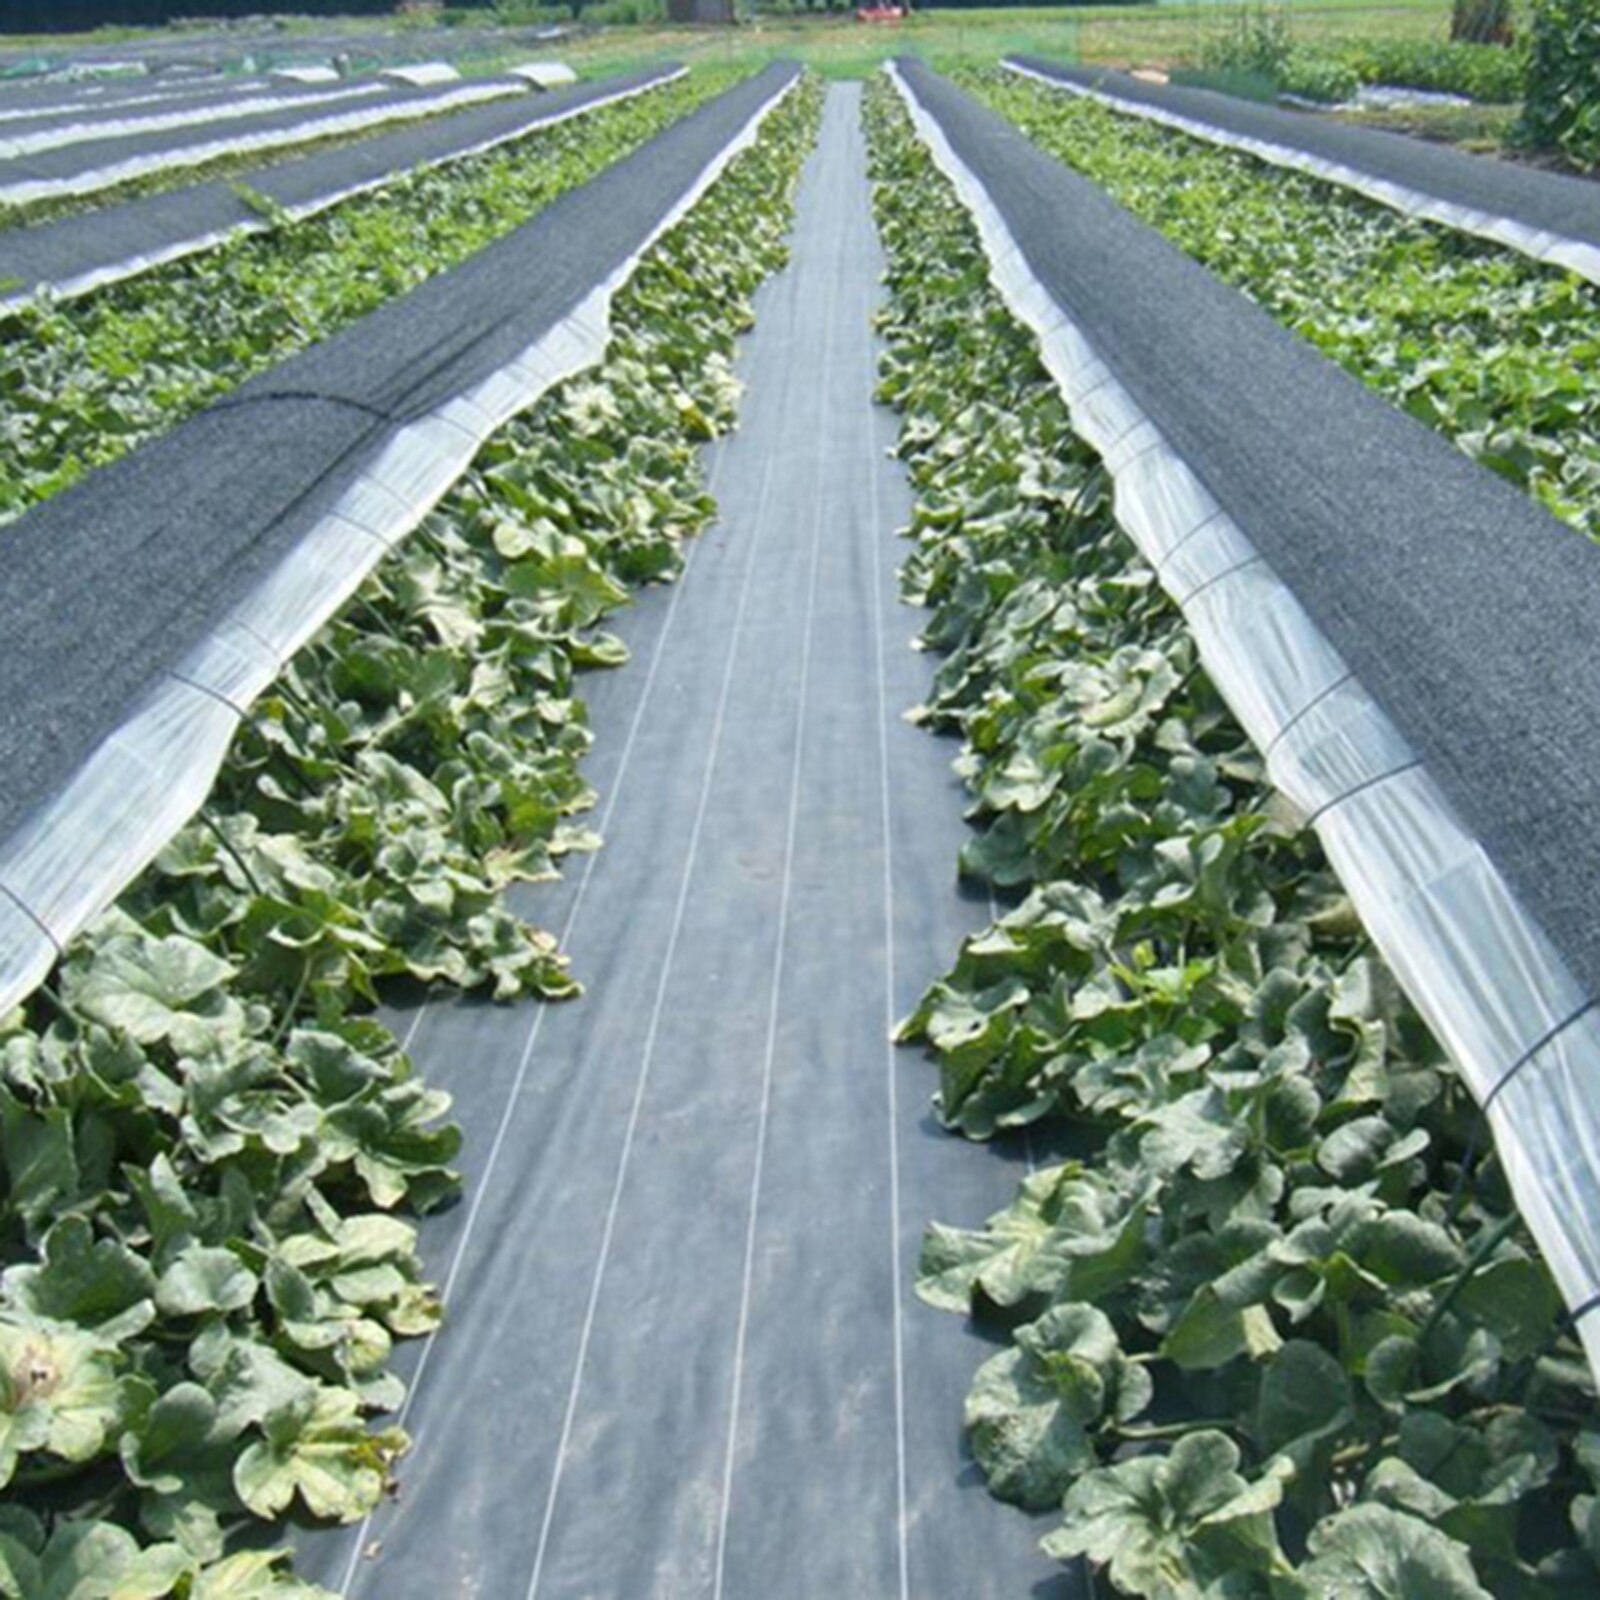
x: 1323, y: 78
x: 211, y: 1150
x: 1257, y: 45
x: 1561, y: 108
x: 1275, y: 1329
x: 1491, y: 73
x: 1252, y: 39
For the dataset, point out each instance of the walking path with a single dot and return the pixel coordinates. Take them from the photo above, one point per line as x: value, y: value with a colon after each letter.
x: 683, y: 1358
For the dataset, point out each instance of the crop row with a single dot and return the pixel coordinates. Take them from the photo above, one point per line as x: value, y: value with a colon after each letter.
x: 83, y: 381
x: 1485, y: 346
x: 223, y: 164
x: 208, y: 1137
x: 1275, y: 1328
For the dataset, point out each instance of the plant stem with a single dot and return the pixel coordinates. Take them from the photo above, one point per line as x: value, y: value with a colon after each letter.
x: 215, y: 829
x: 1176, y: 1430
x: 1487, y: 1242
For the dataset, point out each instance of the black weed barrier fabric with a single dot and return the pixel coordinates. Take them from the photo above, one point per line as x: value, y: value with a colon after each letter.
x: 114, y: 580
x: 683, y: 1360
x: 1544, y: 200
x: 158, y: 224
x: 1465, y: 609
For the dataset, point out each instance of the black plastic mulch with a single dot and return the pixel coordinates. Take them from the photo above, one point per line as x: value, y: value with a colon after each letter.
x: 682, y: 1359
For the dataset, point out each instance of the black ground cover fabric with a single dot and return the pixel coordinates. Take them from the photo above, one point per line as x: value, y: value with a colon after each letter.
x: 65, y: 162
x: 1545, y: 200
x: 60, y: 251
x: 682, y: 1358
x: 1465, y: 609
x: 115, y: 579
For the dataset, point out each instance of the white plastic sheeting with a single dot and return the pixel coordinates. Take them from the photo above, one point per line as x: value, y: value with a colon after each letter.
x: 422, y: 74
x: 1495, y: 991
x: 60, y: 134
x: 89, y: 101
x: 305, y: 74
x: 147, y: 779
x: 545, y: 74
x: 99, y: 277
x: 26, y: 190
x: 1553, y: 249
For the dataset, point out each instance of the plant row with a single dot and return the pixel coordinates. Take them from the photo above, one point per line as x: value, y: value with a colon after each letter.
x: 1274, y: 1328
x: 1484, y: 345
x: 84, y: 380
x: 210, y: 1144
x: 225, y: 164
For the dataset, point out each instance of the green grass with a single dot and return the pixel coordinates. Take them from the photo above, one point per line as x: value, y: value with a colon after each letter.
x: 838, y: 46
x: 1486, y: 129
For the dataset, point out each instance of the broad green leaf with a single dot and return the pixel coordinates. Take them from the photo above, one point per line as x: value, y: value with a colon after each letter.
x: 59, y: 1391
x: 203, y: 1280
x: 81, y: 1278
x: 101, y: 1561
x: 147, y: 987
x: 1169, y: 1526
x: 253, y: 1575
x: 319, y: 1450
x: 1373, y: 1553
x: 1024, y: 1435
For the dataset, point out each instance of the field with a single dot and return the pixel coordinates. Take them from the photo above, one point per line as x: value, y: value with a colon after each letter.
x: 805, y: 828
x: 839, y: 46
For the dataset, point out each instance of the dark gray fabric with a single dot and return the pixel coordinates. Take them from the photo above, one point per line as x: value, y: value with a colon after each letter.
x: 709, y: 1130
x: 106, y: 584
x: 1548, y: 200
x: 1465, y: 609
x: 60, y: 251
x: 68, y: 161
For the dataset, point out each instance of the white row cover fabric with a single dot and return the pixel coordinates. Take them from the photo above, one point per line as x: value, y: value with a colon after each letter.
x: 89, y: 71
x: 149, y: 778
x: 93, y: 100
x: 85, y: 283
x: 1553, y: 249
x: 1486, y: 979
x: 545, y: 74
x: 27, y: 190
x: 191, y: 116
x: 422, y: 74
x: 305, y: 74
